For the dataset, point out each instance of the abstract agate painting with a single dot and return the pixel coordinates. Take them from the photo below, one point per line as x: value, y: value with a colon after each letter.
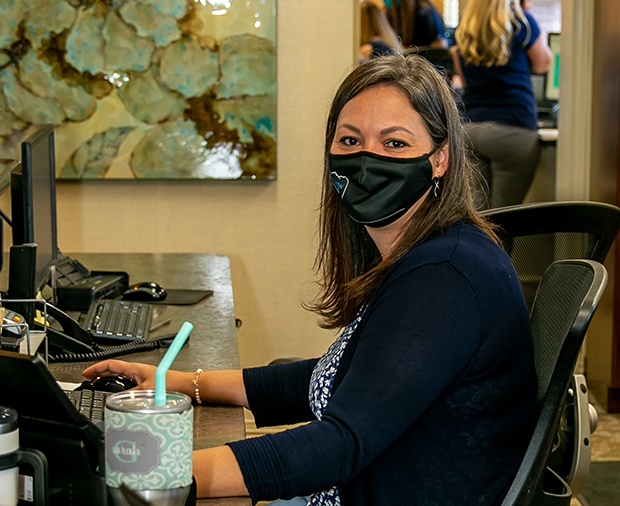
x: 142, y: 89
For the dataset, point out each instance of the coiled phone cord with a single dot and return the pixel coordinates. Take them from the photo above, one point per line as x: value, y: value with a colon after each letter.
x: 100, y: 353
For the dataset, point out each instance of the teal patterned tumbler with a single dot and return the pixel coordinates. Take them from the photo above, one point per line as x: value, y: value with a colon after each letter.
x: 148, y: 448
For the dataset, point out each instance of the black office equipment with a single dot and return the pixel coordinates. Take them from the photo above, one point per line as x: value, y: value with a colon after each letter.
x: 33, y: 192
x: 548, y: 96
x: 74, y: 286
x: 119, y: 320
x: 23, y: 280
x: 147, y: 291
x: 13, y: 330
x: 89, y: 403
x: 77, y: 287
x: 6, y: 169
x: 50, y: 423
x: 110, y: 384
x: 552, y: 77
x: 33, y: 207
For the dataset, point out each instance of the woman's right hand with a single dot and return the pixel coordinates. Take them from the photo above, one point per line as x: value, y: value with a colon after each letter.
x: 142, y: 374
x: 222, y: 386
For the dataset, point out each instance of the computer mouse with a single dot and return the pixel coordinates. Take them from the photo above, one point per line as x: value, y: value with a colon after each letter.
x: 146, y: 290
x: 114, y: 383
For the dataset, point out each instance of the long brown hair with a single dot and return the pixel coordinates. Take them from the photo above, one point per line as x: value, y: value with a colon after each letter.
x: 347, y: 260
x: 402, y: 16
x: 374, y: 24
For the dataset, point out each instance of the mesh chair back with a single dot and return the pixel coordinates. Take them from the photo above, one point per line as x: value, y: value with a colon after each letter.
x: 563, y: 307
x: 536, y: 235
x: 565, y: 302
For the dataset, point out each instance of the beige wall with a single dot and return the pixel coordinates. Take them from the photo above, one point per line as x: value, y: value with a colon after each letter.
x: 266, y: 228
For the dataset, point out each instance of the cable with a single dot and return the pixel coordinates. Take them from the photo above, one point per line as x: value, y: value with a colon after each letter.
x: 4, y: 216
x: 100, y: 353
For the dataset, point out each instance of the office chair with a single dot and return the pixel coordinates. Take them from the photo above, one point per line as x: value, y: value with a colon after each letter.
x: 557, y: 460
x: 537, y: 234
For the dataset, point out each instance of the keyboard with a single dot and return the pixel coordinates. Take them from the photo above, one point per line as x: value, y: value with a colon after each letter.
x: 120, y: 320
x: 90, y: 403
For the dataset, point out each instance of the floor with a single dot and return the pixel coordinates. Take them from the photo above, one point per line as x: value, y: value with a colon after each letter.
x: 606, y: 438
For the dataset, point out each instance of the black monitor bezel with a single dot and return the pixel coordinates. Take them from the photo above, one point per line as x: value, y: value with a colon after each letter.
x: 22, y: 200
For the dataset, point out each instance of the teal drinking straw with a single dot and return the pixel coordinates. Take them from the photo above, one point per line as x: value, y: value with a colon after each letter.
x: 166, y: 362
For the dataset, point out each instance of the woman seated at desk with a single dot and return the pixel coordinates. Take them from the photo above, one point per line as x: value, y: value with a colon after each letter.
x: 428, y: 396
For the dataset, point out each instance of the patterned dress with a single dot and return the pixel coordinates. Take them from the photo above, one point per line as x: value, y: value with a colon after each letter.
x: 321, y: 384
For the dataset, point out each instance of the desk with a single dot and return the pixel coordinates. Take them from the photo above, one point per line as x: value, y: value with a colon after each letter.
x: 543, y: 184
x: 212, y: 344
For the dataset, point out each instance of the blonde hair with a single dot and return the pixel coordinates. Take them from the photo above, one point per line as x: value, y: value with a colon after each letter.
x: 486, y: 29
x: 374, y: 24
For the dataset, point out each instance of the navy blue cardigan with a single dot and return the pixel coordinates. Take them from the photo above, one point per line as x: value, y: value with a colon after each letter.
x: 435, y: 397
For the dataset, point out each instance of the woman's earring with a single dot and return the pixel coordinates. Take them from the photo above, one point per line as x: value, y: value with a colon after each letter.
x: 436, y: 187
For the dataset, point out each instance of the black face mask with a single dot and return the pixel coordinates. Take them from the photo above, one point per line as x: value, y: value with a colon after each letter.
x: 377, y: 190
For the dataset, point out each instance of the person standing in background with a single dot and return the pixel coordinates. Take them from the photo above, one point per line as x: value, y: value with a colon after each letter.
x: 377, y: 36
x: 417, y: 22
x: 499, y: 46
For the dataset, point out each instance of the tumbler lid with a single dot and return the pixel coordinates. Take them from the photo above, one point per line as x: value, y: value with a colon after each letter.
x: 8, y: 420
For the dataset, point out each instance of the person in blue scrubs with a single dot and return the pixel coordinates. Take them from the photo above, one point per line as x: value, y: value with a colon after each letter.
x: 499, y: 46
x: 417, y: 22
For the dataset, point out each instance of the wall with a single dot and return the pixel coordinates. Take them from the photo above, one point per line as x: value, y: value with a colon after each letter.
x: 548, y: 13
x: 267, y: 229
x: 604, y: 163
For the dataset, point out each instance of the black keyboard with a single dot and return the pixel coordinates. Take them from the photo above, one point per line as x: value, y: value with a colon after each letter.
x: 122, y: 320
x: 89, y: 403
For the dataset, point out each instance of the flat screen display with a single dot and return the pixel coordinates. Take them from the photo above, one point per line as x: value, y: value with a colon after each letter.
x: 552, y: 79
x: 33, y: 193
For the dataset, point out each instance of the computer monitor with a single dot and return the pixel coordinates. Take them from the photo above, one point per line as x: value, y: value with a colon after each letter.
x: 552, y: 78
x: 49, y: 422
x: 33, y: 200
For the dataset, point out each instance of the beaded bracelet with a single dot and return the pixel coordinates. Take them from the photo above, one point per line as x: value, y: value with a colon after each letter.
x: 196, y: 387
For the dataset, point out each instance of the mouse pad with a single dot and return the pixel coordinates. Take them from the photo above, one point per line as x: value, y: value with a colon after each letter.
x: 181, y: 297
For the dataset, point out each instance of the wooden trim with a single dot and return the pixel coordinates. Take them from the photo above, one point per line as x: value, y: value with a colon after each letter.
x: 613, y: 391
x: 613, y: 399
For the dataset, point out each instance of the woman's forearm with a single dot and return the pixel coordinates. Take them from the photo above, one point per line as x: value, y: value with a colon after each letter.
x: 220, y: 387
x: 223, y: 387
x: 217, y: 473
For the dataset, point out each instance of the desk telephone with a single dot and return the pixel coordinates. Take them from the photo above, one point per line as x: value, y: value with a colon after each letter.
x: 68, y: 341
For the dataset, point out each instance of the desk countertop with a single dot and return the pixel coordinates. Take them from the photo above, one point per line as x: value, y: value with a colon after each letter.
x: 548, y: 134
x: 212, y: 344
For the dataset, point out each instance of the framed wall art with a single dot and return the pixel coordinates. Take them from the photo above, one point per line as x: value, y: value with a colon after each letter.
x: 142, y: 89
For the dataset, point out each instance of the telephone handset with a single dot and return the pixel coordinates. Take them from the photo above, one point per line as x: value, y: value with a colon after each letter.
x: 70, y: 337
x: 75, y: 344
x: 73, y: 337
